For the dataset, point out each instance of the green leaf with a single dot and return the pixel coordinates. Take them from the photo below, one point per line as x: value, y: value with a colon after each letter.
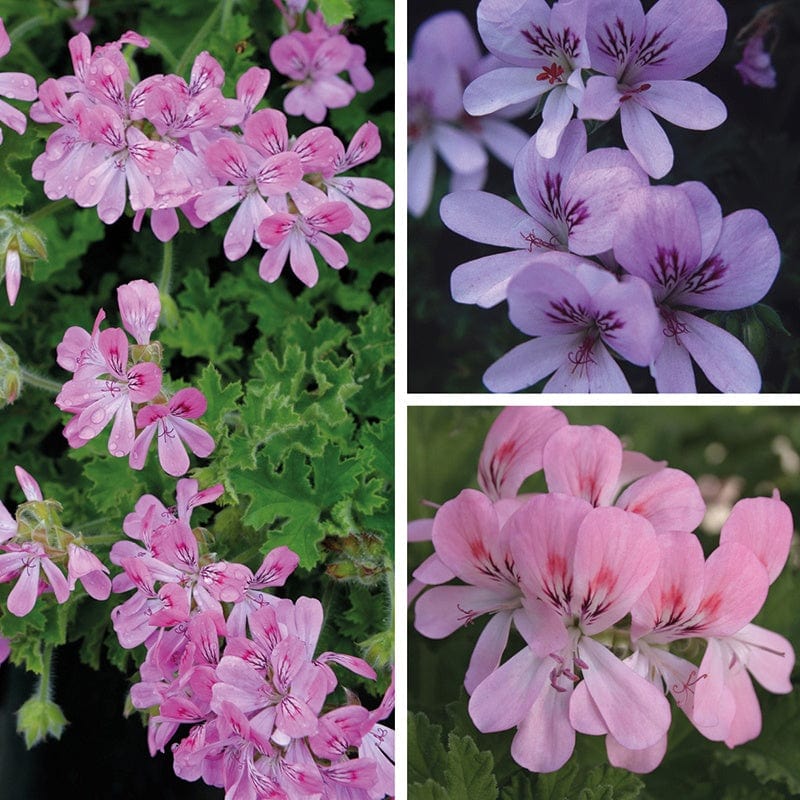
x: 469, y: 772
x: 336, y: 11
x: 427, y: 758
x: 14, y: 148
x: 430, y: 790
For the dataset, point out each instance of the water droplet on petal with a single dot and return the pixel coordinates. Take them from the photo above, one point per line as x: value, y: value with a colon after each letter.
x: 97, y: 416
x: 86, y: 433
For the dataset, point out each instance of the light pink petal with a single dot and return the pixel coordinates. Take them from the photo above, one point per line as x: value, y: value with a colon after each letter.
x: 57, y: 580
x: 216, y: 201
x: 274, y: 260
x: 519, y: 681
x: 200, y: 442
x: 770, y: 658
x: 583, y: 461
x: 30, y: 488
x: 420, y: 530
x: 746, y: 722
x: 636, y: 712
x: 123, y: 431
x: 763, y: 525
x: 488, y: 650
x: 670, y: 499
x: 140, y: 308
x: 171, y: 453
x: 144, y: 381
x: 639, y: 761
x: 514, y: 446
x: 444, y: 609
x: 301, y: 260
x: 714, y: 704
x: 141, y: 445
x: 616, y: 556
x: 433, y: 571
x: 334, y: 254
x: 22, y: 598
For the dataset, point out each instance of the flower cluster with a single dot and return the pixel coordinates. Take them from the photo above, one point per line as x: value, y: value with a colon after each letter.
x: 14, y: 86
x: 111, y: 378
x: 313, y: 61
x: 607, y: 584
x: 603, y: 266
x: 36, y: 546
x: 163, y: 144
x: 238, y: 664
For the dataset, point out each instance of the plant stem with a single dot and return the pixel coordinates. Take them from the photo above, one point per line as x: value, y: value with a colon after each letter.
x: 45, y: 384
x: 50, y: 208
x: 160, y: 47
x: 223, y: 10
x: 166, y: 269
x: 227, y: 8
x: 44, y: 690
x: 20, y: 31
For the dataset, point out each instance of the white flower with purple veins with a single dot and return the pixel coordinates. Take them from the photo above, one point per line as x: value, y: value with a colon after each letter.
x: 543, y: 50
x: 577, y: 313
x: 645, y: 60
x: 444, y: 58
x: 570, y: 202
x: 676, y: 239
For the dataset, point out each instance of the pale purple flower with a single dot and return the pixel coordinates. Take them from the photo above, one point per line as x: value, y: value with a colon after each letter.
x: 543, y: 51
x: 577, y: 312
x: 755, y: 67
x: 570, y: 203
x: 14, y: 86
x: 644, y: 61
x: 168, y: 421
x: 444, y: 57
x: 291, y: 236
x: 676, y: 239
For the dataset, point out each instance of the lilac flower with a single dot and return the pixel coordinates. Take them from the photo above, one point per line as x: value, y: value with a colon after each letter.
x: 15, y: 86
x: 169, y: 421
x: 570, y: 201
x: 755, y: 67
x: 547, y: 48
x: 644, y: 61
x: 444, y: 57
x: 577, y: 312
x: 675, y: 238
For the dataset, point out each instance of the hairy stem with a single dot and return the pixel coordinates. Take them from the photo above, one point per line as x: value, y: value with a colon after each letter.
x: 45, y: 384
x: 222, y: 11
x: 165, y: 280
x: 50, y: 208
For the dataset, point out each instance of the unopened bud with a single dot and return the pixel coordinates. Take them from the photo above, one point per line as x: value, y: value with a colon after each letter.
x: 170, y: 316
x: 21, y: 244
x: 10, y: 375
x: 39, y: 719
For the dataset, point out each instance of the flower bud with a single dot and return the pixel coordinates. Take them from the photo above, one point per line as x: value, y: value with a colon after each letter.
x: 10, y: 375
x: 39, y: 718
x: 20, y: 245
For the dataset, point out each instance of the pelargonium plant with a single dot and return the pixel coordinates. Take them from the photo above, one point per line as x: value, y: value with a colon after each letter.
x: 604, y: 75
x: 602, y: 610
x: 195, y: 487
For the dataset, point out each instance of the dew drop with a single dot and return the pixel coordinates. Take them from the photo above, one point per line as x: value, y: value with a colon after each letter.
x: 97, y: 416
x: 10, y: 95
x: 92, y: 181
x: 86, y: 433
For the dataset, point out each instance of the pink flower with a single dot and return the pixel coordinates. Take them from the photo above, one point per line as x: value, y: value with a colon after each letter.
x: 170, y: 422
x: 313, y: 62
x: 24, y: 562
x: 289, y: 236
x: 140, y: 307
x: 87, y: 568
x: 94, y: 401
x: 16, y: 86
x: 13, y: 274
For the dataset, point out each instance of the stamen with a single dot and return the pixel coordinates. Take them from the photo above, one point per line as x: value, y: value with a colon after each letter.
x: 553, y: 74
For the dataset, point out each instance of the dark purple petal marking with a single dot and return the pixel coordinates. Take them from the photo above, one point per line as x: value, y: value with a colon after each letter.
x: 552, y: 45
x: 677, y: 279
x: 709, y: 276
x: 668, y: 269
x: 565, y: 311
x: 617, y: 43
x: 673, y: 327
x: 608, y: 322
x: 652, y: 50
x: 572, y: 214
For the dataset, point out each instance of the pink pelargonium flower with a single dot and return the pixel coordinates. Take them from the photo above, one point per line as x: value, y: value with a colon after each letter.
x: 95, y: 401
x: 253, y: 177
x: 581, y: 569
x: 169, y: 421
x: 140, y: 307
x: 314, y: 63
x: 290, y: 236
x: 87, y: 568
x: 24, y: 563
x: 15, y: 86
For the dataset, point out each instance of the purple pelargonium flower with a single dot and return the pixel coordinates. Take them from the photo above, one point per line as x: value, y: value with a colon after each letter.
x: 444, y: 57
x: 169, y: 421
x: 675, y: 238
x: 547, y: 48
x: 16, y: 86
x: 755, y: 67
x: 645, y: 60
x: 291, y: 236
x: 571, y: 203
x: 577, y: 312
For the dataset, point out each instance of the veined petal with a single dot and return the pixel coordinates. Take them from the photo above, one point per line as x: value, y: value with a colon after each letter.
x: 503, y: 87
x: 486, y: 218
x: 684, y: 103
x: 484, y: 281
x: 646, y: 139
x: 614, y: 29
x: 460, y: 149
x: 529, y: 362
x: 672, y: 368
x: 556, y: 114
x: 444, y: 609
x: 421, y: 170
x: 636, y: 712
x: 488, y: 650
x: 770, y: 657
